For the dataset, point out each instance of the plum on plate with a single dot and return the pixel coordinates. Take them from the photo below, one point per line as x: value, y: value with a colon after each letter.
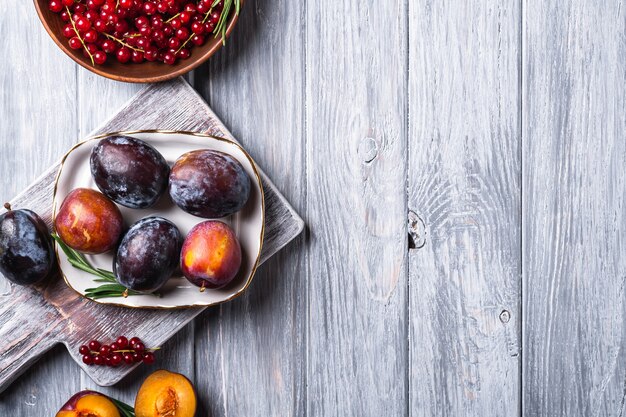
x: 89, y: 403
x: 211, y: 255
x: 148, y: 254
x: 89, y: 222
x: 209, y: 184
x: 129, y: 171
x: 26, y: 254
x: 166, y: 393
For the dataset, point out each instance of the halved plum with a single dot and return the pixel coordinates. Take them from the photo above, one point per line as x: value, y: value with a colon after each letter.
x: 166, y: 393
x: 89, y: 403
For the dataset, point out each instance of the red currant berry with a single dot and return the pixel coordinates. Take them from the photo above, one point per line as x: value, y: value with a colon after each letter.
x: 149, y: 7
x: 116, y: 359
x: 84, y: 350
x: 65, y: 16
x: 98, y: 360
x: 123, y: 55
x: 198, y: 40
x: 176, y: 23
x: 162, y: 7
x: 67, y: 3
x: 184, y: 53
x: 114, y: 347
x: 133, y: 341
x: 173, y: 43
x: 142, y: 21
x: 90, y: 36
x: 68, y: 31
x: 137, y: 57
x: 83, y: 24
x: 185, y: 17
x: 182, y: 34
x: 137, y: 357
x: 105, y: 350
x: 139, y: 347
x: 126, y: 4
x: 128, y: 358
x: 99, y: 57
x: 94, y: 345
x: 148, y: 358
x: 88, y: 359
x: 75, y: 43
x: 215, y: 17
x: 100, y: 25
x: 55, y: 6
x: 197, y: 28
x: 109, y: 46
x: 122, y: 342
x: 150, y: 54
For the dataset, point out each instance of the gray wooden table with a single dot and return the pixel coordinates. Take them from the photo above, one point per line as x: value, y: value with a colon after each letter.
x: 461, y: 167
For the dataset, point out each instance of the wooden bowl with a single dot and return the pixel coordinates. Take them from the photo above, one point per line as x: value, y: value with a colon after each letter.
x: 146, y: 72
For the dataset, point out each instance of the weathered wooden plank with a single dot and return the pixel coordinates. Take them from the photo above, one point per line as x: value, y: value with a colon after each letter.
x: 464, y: 190
x: 30, y: 142
x: 356, y: 110
x: 574, y: 119
x: 250, y: 354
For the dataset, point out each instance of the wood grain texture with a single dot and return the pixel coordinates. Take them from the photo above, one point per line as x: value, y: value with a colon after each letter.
x: 574, y: 121
x: 251, y: 353
x: 356, y: 115
x: 464, y: 186
x: 70, y: 318
x: 29, y: 144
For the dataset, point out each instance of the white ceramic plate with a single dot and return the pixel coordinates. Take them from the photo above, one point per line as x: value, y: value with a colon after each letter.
x: 177, y: 292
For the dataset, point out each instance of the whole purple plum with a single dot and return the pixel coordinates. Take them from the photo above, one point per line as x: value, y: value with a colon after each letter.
x: 129, y: 171
x: 148, y: 255
x: 209, y: 184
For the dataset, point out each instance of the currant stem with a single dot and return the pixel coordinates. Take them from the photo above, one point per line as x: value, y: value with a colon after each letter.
x: 122, y: 42
x: 79, y: 37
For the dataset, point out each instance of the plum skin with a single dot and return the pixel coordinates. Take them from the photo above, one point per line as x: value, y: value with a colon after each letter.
x: 26, y: 251
x: 211, y: 255
x: 209, y: 184
x: 88, y: 403
x: 89, y: 222
x: 129, y: 171
x: 148, y: 254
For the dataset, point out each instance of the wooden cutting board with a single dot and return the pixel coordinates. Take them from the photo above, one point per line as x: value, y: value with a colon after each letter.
x: 34, y: 319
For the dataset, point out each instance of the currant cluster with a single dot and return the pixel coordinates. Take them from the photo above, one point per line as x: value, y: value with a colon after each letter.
x: 122, y: 350
x: 139, y: 30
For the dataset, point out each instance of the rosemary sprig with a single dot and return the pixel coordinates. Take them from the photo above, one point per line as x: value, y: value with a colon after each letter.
x: 125, y: 409
x: 220, y: 28
x: 109, y: 289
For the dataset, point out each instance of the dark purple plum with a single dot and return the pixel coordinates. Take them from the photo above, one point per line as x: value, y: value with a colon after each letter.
x: 26, y: 254
x: 209, y: 184
x: 148, y: 255
x: 129, y: 171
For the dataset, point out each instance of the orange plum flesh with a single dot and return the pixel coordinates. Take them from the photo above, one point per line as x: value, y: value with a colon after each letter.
x: 211, y: 255
x: 165, y: 393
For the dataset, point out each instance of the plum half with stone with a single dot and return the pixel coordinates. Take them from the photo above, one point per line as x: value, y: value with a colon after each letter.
x: 211, y: 255
x: 209, y: 184
x: 166, y: 393
x: 89, y: 403
x: 89, y: 222
x: 129, y: 171
x: 26, y: 254
x: 148, y: 254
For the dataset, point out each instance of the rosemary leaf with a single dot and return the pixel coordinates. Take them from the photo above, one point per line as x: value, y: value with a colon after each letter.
x: 125, y: 409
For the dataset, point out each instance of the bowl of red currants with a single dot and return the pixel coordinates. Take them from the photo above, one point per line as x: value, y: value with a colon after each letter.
x: 140, y: 41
